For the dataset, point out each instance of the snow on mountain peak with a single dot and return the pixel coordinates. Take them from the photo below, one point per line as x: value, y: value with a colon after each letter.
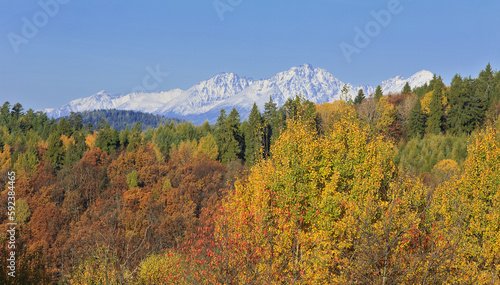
x: 227, y: 90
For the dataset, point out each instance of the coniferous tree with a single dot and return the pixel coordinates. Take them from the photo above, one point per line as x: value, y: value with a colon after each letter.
x: 359, y: 98
x: 253, y: 135
x: 5, y: 113
x: 485, y: 84
x: 135, y: 137
x: 417, y: 121
x: 206, y: 128
x: 435, y: 122
x: 406, y: 89
x: 378, y: 93
x: 55, y: 152
x: 234, y: 125
x: 467, y: 106
x: 108, y: 139
x: 224, y: 137
x: 270, y: 118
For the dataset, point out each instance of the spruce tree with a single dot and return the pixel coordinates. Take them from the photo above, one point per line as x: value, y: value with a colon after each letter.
x: 359, y: 98
x: 406, y: 89
x: 270, y: 118
x: 233, y: 121
x: 468, y: 106
x: 417, y: 121
x: 378, y: 93
x: 229, y: 148
x: 253, y: 135
x: 436, y: 112
x: 55, y: 152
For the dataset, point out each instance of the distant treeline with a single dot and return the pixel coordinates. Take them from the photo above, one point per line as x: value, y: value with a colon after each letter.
x: 120, y: 119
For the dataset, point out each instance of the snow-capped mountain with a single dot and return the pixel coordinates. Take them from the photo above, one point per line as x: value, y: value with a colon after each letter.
x: 204, y: 100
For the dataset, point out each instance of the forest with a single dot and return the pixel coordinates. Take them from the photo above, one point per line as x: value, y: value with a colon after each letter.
x: 119, y: 119
x: 381, y: 189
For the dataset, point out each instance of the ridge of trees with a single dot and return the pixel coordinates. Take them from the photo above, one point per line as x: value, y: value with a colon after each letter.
x: 120, y: 119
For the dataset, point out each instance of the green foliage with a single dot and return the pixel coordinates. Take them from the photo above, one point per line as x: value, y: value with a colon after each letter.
x: 120, y: 119
x: 417, y: 121
x: 406, y: 89
x: 108, y: 139
x: 133, y: 179
x: 253, y: 134
x: 228, y: 137
x: 467, y: 108
x: 359, y: 98
x: 378, y: 93
x: 55, y: 152
x: 435, y: 121
x: 422, y: 154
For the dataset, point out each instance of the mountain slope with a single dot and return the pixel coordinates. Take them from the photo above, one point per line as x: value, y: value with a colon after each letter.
x: 204, y: 100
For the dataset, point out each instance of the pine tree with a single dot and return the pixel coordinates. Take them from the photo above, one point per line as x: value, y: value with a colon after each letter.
x: 435, y: 122
x: 135, y: 137
x: 406, y: 89
x: 417, y: 121
x: 253, y: 135
x: 359, y: 98
x: 229, y: 148
x: 108, y: 139
x: 378, y: 93
x: 55, y: 152
x: 466, y: 106
x: 233, y: 122
x: 271, y: 131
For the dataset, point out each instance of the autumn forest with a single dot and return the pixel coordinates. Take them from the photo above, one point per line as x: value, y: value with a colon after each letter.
x: 378, y: 189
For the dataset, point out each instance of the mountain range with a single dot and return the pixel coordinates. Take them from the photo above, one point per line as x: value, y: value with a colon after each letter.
x: 204, y: 100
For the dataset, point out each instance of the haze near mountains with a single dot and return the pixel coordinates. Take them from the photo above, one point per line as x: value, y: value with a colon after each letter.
x: 204, y: 100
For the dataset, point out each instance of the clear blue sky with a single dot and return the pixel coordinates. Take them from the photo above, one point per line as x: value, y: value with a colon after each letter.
x: 82, y: 47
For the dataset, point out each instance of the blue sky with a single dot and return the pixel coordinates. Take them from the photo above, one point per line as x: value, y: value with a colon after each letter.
x: 81, y: 47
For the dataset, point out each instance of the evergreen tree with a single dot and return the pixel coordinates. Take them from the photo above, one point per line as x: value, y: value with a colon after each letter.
x: 124, y: 136
x: 206, y: 128
x: 359, y: 98
x: 417, y: 121
x: 55, y: 152
x: 233, y: 122
x: 89, y: 128
x: 108, y: 139
x: 17, y: 111
x: 77, y: 121
x: 253, y: 135
x: 378, y: 93
x: 224, y: 136
x: 101, y: 124
x: 406, y: 89
x: 5, y: 117
x: 63, y: 128
x: 135, y: 137
x: 270, y: 118
x: 435, y: 122
x: 466, y: 106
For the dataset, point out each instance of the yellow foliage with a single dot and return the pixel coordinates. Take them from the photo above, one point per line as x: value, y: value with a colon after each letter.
x: 160, y: 269
x: 208, y: 146
x: 445, y: 169
x: 299, y: 208
x: 90, y: 140
x: 5, y: 158
x: 67, y: 141
x: 471, y: 208
x: 425, y: 102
